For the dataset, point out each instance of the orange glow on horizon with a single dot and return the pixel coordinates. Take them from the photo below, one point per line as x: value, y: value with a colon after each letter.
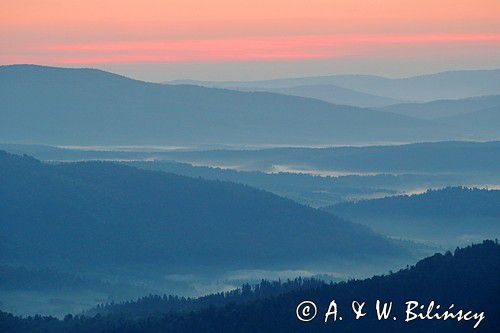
x: 230, y: 49
x: 133, y: 31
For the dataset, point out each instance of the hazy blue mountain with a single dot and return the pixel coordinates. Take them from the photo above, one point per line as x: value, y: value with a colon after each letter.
x: 484, y: 122
x: 445, y: 108
x: 445, y: 85
x: 436, y: 214
x: 109, y: 215
x: 476, y: 117
x: 438, y: 157
x: 285, y: 82
x: 467, y: 278
x: 86, y: 106
x: 332, y: 94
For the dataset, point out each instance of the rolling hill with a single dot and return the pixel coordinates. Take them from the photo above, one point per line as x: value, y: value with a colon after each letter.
x: 88, y: 107
x: 109, y: 215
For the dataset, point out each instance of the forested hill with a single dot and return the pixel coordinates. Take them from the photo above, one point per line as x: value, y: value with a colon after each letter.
x: 447, y: 202
x: 469, y: 279
x: 106, y: 214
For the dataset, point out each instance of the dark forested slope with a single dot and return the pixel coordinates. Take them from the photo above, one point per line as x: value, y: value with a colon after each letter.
x: 469, y: 279
x: 100, y: 213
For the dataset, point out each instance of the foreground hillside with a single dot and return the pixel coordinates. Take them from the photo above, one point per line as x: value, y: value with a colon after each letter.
x: 469, y: 279
x: 439, y: 214
x: 86, y: 106
x: 104, y: 214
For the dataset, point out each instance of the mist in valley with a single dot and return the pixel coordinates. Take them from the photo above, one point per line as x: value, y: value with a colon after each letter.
x: 193, y: 207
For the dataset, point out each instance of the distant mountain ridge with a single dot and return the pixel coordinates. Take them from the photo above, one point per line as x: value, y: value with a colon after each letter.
x: 440, y: 109
x: 476, y: 116
x: 444, y: 85
x: 333, y: 94
x: 328, y: 93
x: 484, y: 122
x: 85, y: 106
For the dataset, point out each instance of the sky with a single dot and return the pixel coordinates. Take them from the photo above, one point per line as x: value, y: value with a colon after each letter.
x: 249, y: 40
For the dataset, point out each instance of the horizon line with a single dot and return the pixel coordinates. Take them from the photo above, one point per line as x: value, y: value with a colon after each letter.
x: 250, y: 81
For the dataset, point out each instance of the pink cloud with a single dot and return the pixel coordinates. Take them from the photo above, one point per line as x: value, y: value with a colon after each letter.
x: 251, y: 48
